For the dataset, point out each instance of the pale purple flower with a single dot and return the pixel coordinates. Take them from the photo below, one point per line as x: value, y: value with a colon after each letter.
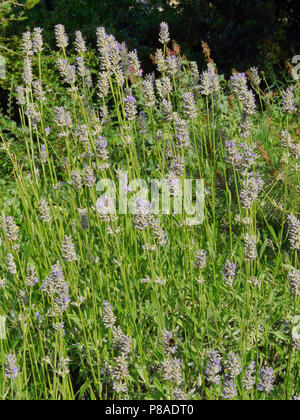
x: 213, y: 368
x: 11, y: 369
x: 267, y: 380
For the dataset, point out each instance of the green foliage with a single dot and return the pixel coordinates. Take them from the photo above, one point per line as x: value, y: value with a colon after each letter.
x: 150, y: 276
x: 62, y: 258
x: 31, y: 3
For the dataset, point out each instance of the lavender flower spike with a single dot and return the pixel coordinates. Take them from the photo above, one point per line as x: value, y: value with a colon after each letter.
x: 213, y: 369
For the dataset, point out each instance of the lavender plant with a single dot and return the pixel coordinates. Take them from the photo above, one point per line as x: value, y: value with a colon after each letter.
x: 100, y: 304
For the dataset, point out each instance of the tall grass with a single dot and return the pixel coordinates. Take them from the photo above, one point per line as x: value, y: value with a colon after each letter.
x: 98, y: 306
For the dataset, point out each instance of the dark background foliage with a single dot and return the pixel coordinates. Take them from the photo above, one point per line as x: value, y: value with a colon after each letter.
x: 240, y: 33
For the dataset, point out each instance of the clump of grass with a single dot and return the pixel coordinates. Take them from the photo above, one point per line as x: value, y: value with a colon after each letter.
x: 97, y: 304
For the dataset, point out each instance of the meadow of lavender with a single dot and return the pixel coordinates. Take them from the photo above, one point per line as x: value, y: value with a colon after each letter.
x: 95, y: 304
